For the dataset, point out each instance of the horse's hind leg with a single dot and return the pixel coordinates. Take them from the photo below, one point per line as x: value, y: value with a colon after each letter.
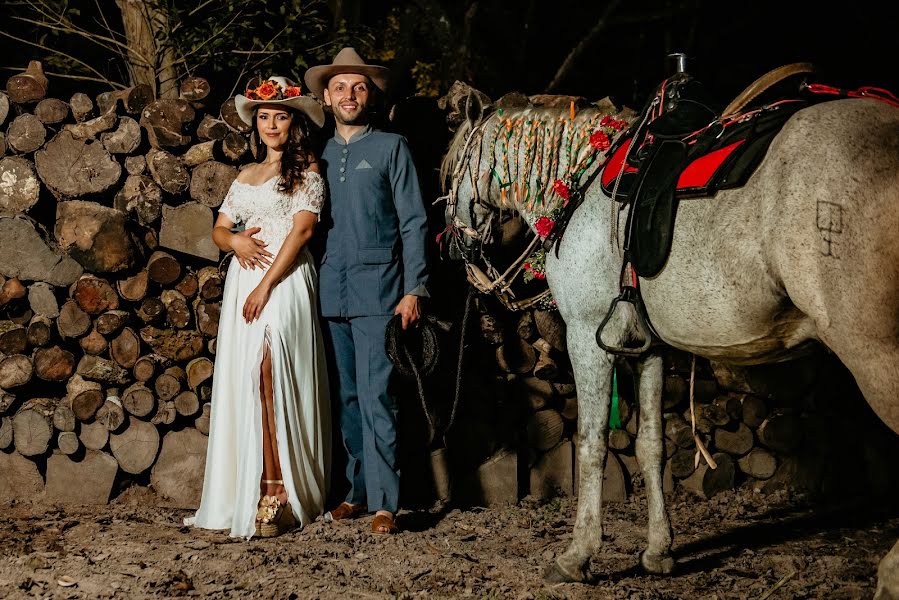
x: 657, y: 557
x: 593, y: 376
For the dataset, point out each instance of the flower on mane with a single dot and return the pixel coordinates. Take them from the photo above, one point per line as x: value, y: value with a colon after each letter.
x: 561, y: 189
x: 600, y: 140
x: 544, y: 225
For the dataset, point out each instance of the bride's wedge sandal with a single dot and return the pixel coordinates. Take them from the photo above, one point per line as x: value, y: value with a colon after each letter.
x: 272, y: 517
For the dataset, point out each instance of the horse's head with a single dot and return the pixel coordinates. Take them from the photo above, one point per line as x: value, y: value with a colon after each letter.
x: 469, y: 221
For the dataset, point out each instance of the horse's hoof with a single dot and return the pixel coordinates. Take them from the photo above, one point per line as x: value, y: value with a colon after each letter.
x: 657, y: 564
x: 556, y: 573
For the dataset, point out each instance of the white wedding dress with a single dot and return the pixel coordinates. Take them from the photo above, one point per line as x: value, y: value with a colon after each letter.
x: 289, y: 323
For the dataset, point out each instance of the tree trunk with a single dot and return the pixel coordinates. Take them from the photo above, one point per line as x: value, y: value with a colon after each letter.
x: 143, y: 25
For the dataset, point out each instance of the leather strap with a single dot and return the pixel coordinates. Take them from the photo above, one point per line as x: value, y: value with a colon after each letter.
x: 763, y: 83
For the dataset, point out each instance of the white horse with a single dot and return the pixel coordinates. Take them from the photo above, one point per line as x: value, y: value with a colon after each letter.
x: 806, y: 252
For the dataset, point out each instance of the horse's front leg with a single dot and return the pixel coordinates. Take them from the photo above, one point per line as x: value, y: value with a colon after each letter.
x: 650, y: 445
x: 593, y: 376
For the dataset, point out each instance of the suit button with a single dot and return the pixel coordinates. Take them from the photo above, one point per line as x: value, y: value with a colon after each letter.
x: 342, y: 169
x: 342, y: 178
x: 345, y: 150
x: 343, y: 160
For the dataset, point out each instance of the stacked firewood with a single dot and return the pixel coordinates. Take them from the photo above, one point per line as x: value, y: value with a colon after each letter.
x: 110, y: 281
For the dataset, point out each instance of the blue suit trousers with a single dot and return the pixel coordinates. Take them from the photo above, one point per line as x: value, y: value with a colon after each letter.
x: 367, y: 412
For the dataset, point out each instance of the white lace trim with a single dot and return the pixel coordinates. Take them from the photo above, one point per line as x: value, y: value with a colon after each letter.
x: 264, y: 206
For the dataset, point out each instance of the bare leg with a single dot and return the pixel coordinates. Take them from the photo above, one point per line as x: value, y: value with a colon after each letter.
x: 657, y: 557
x: 271, y: 466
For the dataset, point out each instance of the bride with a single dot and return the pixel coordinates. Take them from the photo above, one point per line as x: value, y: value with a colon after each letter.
x: 269, y: 439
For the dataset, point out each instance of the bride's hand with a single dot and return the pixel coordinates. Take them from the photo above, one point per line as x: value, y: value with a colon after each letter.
x: 249, y: 251
x: 256, y: 301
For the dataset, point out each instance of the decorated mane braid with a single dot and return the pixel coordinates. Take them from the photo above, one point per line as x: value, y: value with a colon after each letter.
x: 272, y: 90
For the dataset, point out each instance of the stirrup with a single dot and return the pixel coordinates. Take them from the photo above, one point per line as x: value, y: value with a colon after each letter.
x: 628, y: 295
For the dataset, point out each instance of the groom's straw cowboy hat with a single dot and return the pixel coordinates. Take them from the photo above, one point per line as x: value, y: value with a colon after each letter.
x: 346, y: 61
x: 278, y: 91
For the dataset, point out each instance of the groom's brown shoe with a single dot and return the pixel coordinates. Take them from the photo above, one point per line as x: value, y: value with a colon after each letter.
x: 346, y: 511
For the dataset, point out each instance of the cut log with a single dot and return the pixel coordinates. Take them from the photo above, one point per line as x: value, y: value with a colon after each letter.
x: 546, y: 368
x: 19, y: 186
x: 15, y: 370
x: 135, y: 448
x: 177, y: 345
x: 706, y: 482
x: 683, y: 462
x: 39, y: 331
x: 68, y: 443
x: 29, y: 86
x: 207, y: 314
x: 13, y: 338
x: 201, y: 422
x: 146, y: 366
x: 168, y: 172
x: 94, y: 235
x: 51, y: 111
x: 133, y: 99
x: 151, y: 310
x: 678, y: 431
x: 187, y: 403
x: 12, y: 289
x: 754, y: 411
x: 210, y: 181
x: 551, y: 328
x: 6, y: 431
x: 737, y: 442
x: 33, y: 426
x: 732, y: 405
x: 87, y: 131
x: 2, y: 144
x: 199, y: 154
x: 136, y: 165
x: 526, y: 328
x: 125, y: 139
x: 553, y: 473
x: 88, y: 481
x: 94, y: 343
x: 19, y: 479
x: 211, y: 283
x: 138, y: 400
x: 516, y: 356
x: 166, y: 414
x: 112, y: 321
x: 94, y: 435
x: 178, y: 472
x: 544, y: 429
x: 63, y: 416
x: 188, y: 229
x: 619, y: 439
x: 169, y: 383
x: 780, y: 432
x: 714, y: 413
x: 72, y: 322
x: 212, y: 129
x: 188, y: 286
x: 26, y: 134
x: 6, y: 400
x: 212, y: 345
x: 111, y: 414
x: 235, y: 146
x: 134, y: 288
x: 229, y: 115
x: 676, y: 392
x: 53, y: 363
x: 94, y: 295
x: 85, y: 397
x: 163, y: 268
x: 82, y: 107
x: 95, y: 368
x: 4, y: 107
x: 125, y: 348
x: 759, y: 464
x: 42, y: 300
x: 570, y: 409
x: 491, y: 329
x: 165, y: 121
x: 194, y: 89
x: 177, y: 311
x: 199, y: 370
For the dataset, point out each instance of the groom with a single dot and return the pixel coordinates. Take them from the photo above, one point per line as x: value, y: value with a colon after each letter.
x: 373, y: 267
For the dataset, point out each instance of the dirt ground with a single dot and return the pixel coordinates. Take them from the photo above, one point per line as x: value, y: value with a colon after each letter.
x: 741, y: 544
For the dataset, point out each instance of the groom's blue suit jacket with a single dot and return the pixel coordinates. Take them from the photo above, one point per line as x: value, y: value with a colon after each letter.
x: 375, y: 226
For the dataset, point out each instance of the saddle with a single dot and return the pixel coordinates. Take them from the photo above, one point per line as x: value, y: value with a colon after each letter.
x: 682, y: 146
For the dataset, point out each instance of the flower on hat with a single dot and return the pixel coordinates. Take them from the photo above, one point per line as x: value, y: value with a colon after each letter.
x: 272, y: 90
x: 292, y: 91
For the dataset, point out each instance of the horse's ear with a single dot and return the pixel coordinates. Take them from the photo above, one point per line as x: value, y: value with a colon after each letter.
x: 456, y: 104
x: 474, y: 108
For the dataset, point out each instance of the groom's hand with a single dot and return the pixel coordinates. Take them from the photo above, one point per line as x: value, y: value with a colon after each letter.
x: 409, y: 310
x: 249, y: 251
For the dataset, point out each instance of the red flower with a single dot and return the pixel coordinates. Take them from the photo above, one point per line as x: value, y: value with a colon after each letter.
x: 539, y: 275
x: 618, y: 124
x: 292, y: 91
x: 543, y: 226
x: 561, y: 189
x: 527, y: 266
x: 267, y: 91
x: 605, y: 121
x: 251, y: 94
x: 600, y: 140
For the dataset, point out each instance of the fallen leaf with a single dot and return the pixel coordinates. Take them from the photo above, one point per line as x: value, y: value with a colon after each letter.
x: 66, y: 581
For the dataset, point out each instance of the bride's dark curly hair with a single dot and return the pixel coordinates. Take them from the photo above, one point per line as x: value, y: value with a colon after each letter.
x: 298, y: 150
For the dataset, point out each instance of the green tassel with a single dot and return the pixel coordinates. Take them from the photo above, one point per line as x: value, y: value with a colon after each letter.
x: 614, y: 412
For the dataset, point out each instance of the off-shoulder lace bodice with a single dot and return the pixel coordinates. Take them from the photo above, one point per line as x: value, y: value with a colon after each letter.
x: 264, y: 206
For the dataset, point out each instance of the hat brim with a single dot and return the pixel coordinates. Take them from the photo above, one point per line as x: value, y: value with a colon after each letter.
x: 305, y: 104
x: 316, y: 78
